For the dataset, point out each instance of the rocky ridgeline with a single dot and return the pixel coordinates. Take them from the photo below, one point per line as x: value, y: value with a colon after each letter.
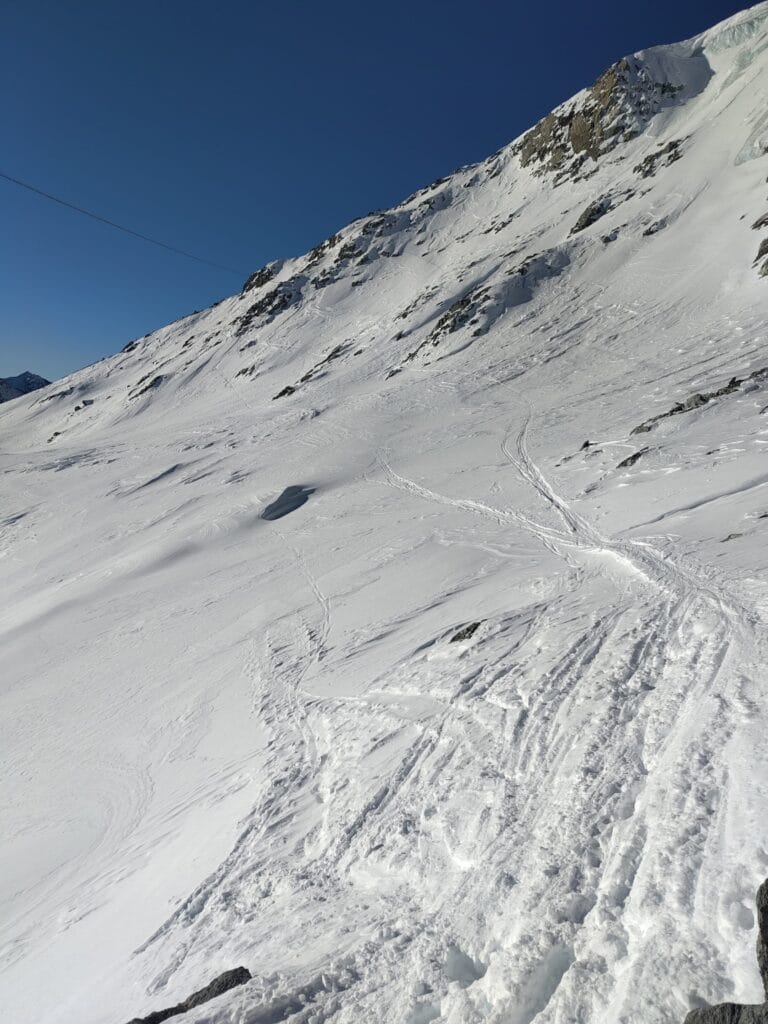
x: 736, y: 1013
x: 378, y: 235
x: 615, y: 109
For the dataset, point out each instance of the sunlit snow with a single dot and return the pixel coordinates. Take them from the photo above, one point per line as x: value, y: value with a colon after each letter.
x: 236, y: 727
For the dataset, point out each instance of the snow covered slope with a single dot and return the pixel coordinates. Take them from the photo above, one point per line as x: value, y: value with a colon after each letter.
x: 471, y: 727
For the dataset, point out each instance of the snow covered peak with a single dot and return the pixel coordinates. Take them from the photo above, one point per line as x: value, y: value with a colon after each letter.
x: 22, y: 384
x: 642, y: 114
x: 748, y: 26
x: 624, y: 100
x: 572, y: 139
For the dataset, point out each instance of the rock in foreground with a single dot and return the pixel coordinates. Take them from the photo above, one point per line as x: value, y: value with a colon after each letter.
x: 735, y: 1013
x: 223, y: 983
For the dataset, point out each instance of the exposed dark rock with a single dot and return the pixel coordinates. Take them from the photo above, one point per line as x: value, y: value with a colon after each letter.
x: 499, y: 225
x: 729, y: 1013
x: 763, y: 250
x: 336, y: 352
x: 347, y: 252
x: 466, y: 632
x: 223, y: 983
x: 699, y: 399
x: 418, y: 301
x: 661, y: 158
x: 764, y: 269
x: 56, y: 394
x: 653, y: 229
x: 632, y: 459
x: 317, y: 370
x: 322, y: 250
x: 247, y: 371
x: 276, y: 301
x: 457, y: 315
x: 761, y: 222
x: 156, y: 381
x: 616, y: 107
x: 734, y: 1013
x: 593, y: 213
x: 374, y: 225
x: 762, y: 936
x: 482, y: 306
x: 260, y: 277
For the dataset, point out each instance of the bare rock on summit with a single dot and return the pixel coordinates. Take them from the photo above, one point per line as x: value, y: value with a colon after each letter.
x: 613, y: 110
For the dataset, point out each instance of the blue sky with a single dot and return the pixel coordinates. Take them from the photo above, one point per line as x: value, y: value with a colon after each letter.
x: 243, y: 131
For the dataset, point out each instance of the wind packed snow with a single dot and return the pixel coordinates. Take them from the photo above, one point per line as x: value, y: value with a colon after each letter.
x: 350, y: 634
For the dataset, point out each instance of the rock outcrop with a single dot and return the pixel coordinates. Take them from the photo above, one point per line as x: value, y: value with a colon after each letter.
x: 613, y: 110
x: 736, y: 1013
x: 223, y: 983
x: 703, y: 398
x: 762, y: 934
x: 593, y: 213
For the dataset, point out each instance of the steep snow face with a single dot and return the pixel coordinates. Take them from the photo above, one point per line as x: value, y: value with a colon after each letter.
x: 396, y: 628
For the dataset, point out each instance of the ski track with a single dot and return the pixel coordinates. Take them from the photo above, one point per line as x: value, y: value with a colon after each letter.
x: 638, y: 668
x: 541, y: 741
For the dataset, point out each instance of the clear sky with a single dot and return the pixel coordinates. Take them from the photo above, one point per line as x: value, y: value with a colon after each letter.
x: 245, y: 130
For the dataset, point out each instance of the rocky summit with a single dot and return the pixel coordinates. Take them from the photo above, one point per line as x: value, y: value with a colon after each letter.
x: 15, y: 387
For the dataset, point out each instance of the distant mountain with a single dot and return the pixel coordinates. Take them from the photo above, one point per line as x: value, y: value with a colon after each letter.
x: 15, y: 387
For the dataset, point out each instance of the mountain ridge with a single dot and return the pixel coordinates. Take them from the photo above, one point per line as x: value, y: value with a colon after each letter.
x: 22, y: 384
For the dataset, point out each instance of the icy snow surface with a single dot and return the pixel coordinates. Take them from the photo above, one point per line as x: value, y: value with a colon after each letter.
x: 235, y: 738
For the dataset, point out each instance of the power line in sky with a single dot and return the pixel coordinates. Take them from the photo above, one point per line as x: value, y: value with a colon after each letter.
x: 120, y: 227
